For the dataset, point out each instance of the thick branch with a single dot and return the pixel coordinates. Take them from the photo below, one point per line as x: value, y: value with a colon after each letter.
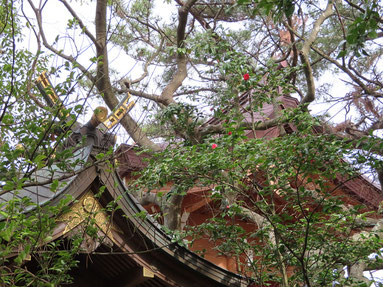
x: 170, y: 207
x: 310, y: 96
x: 181, y: 73
x: 318, y: 23
x: 149, y: 198
x: 152, y: 97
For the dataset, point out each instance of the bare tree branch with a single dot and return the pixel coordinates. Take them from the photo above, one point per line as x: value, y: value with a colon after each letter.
x: 152, y: 97
x: 190, y: 92
x: 69, y: 58
x: 82, y: 26
x: 34, y: 63
x: 354, y: 78
x: 127, y: 83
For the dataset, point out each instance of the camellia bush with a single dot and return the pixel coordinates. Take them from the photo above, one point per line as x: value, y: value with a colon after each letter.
x: 285, y: 187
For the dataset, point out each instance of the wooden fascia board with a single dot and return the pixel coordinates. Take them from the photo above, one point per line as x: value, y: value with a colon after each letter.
x: 79, y: 186
x: 152, y: 232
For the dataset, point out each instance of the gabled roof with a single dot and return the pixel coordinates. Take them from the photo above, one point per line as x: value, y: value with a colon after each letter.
x: 41, y: 194
x: 136, y: 242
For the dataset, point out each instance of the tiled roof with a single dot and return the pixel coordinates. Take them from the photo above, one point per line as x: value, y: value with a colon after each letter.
x: 40, y: 194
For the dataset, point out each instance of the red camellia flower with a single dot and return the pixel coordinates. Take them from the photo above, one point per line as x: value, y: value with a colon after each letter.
x: 246, y: 77
x: 229, y: 133
x: 213, y: 146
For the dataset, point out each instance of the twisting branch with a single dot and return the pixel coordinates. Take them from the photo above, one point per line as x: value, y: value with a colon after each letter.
x: 148, y: 62
x: 304, y: 53
x: 181, y: 73
x: 354, y: 78
x: 315, y: 30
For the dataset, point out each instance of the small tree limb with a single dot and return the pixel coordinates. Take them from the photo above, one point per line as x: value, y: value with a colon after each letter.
x: 81, y: 24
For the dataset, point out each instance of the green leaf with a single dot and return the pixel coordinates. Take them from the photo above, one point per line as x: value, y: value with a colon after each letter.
x: 7, y: 233
x: 342, y: 54
x: 54, y: 185
x: 243, y: 2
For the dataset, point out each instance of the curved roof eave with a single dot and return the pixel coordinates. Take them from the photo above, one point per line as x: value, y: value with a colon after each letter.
x: 168, y: 253
x: 151, y: 231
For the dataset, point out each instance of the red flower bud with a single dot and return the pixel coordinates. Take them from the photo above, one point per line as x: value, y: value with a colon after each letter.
x: 213, y: 146
x: 229, y: 133
x: 246, y: 77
